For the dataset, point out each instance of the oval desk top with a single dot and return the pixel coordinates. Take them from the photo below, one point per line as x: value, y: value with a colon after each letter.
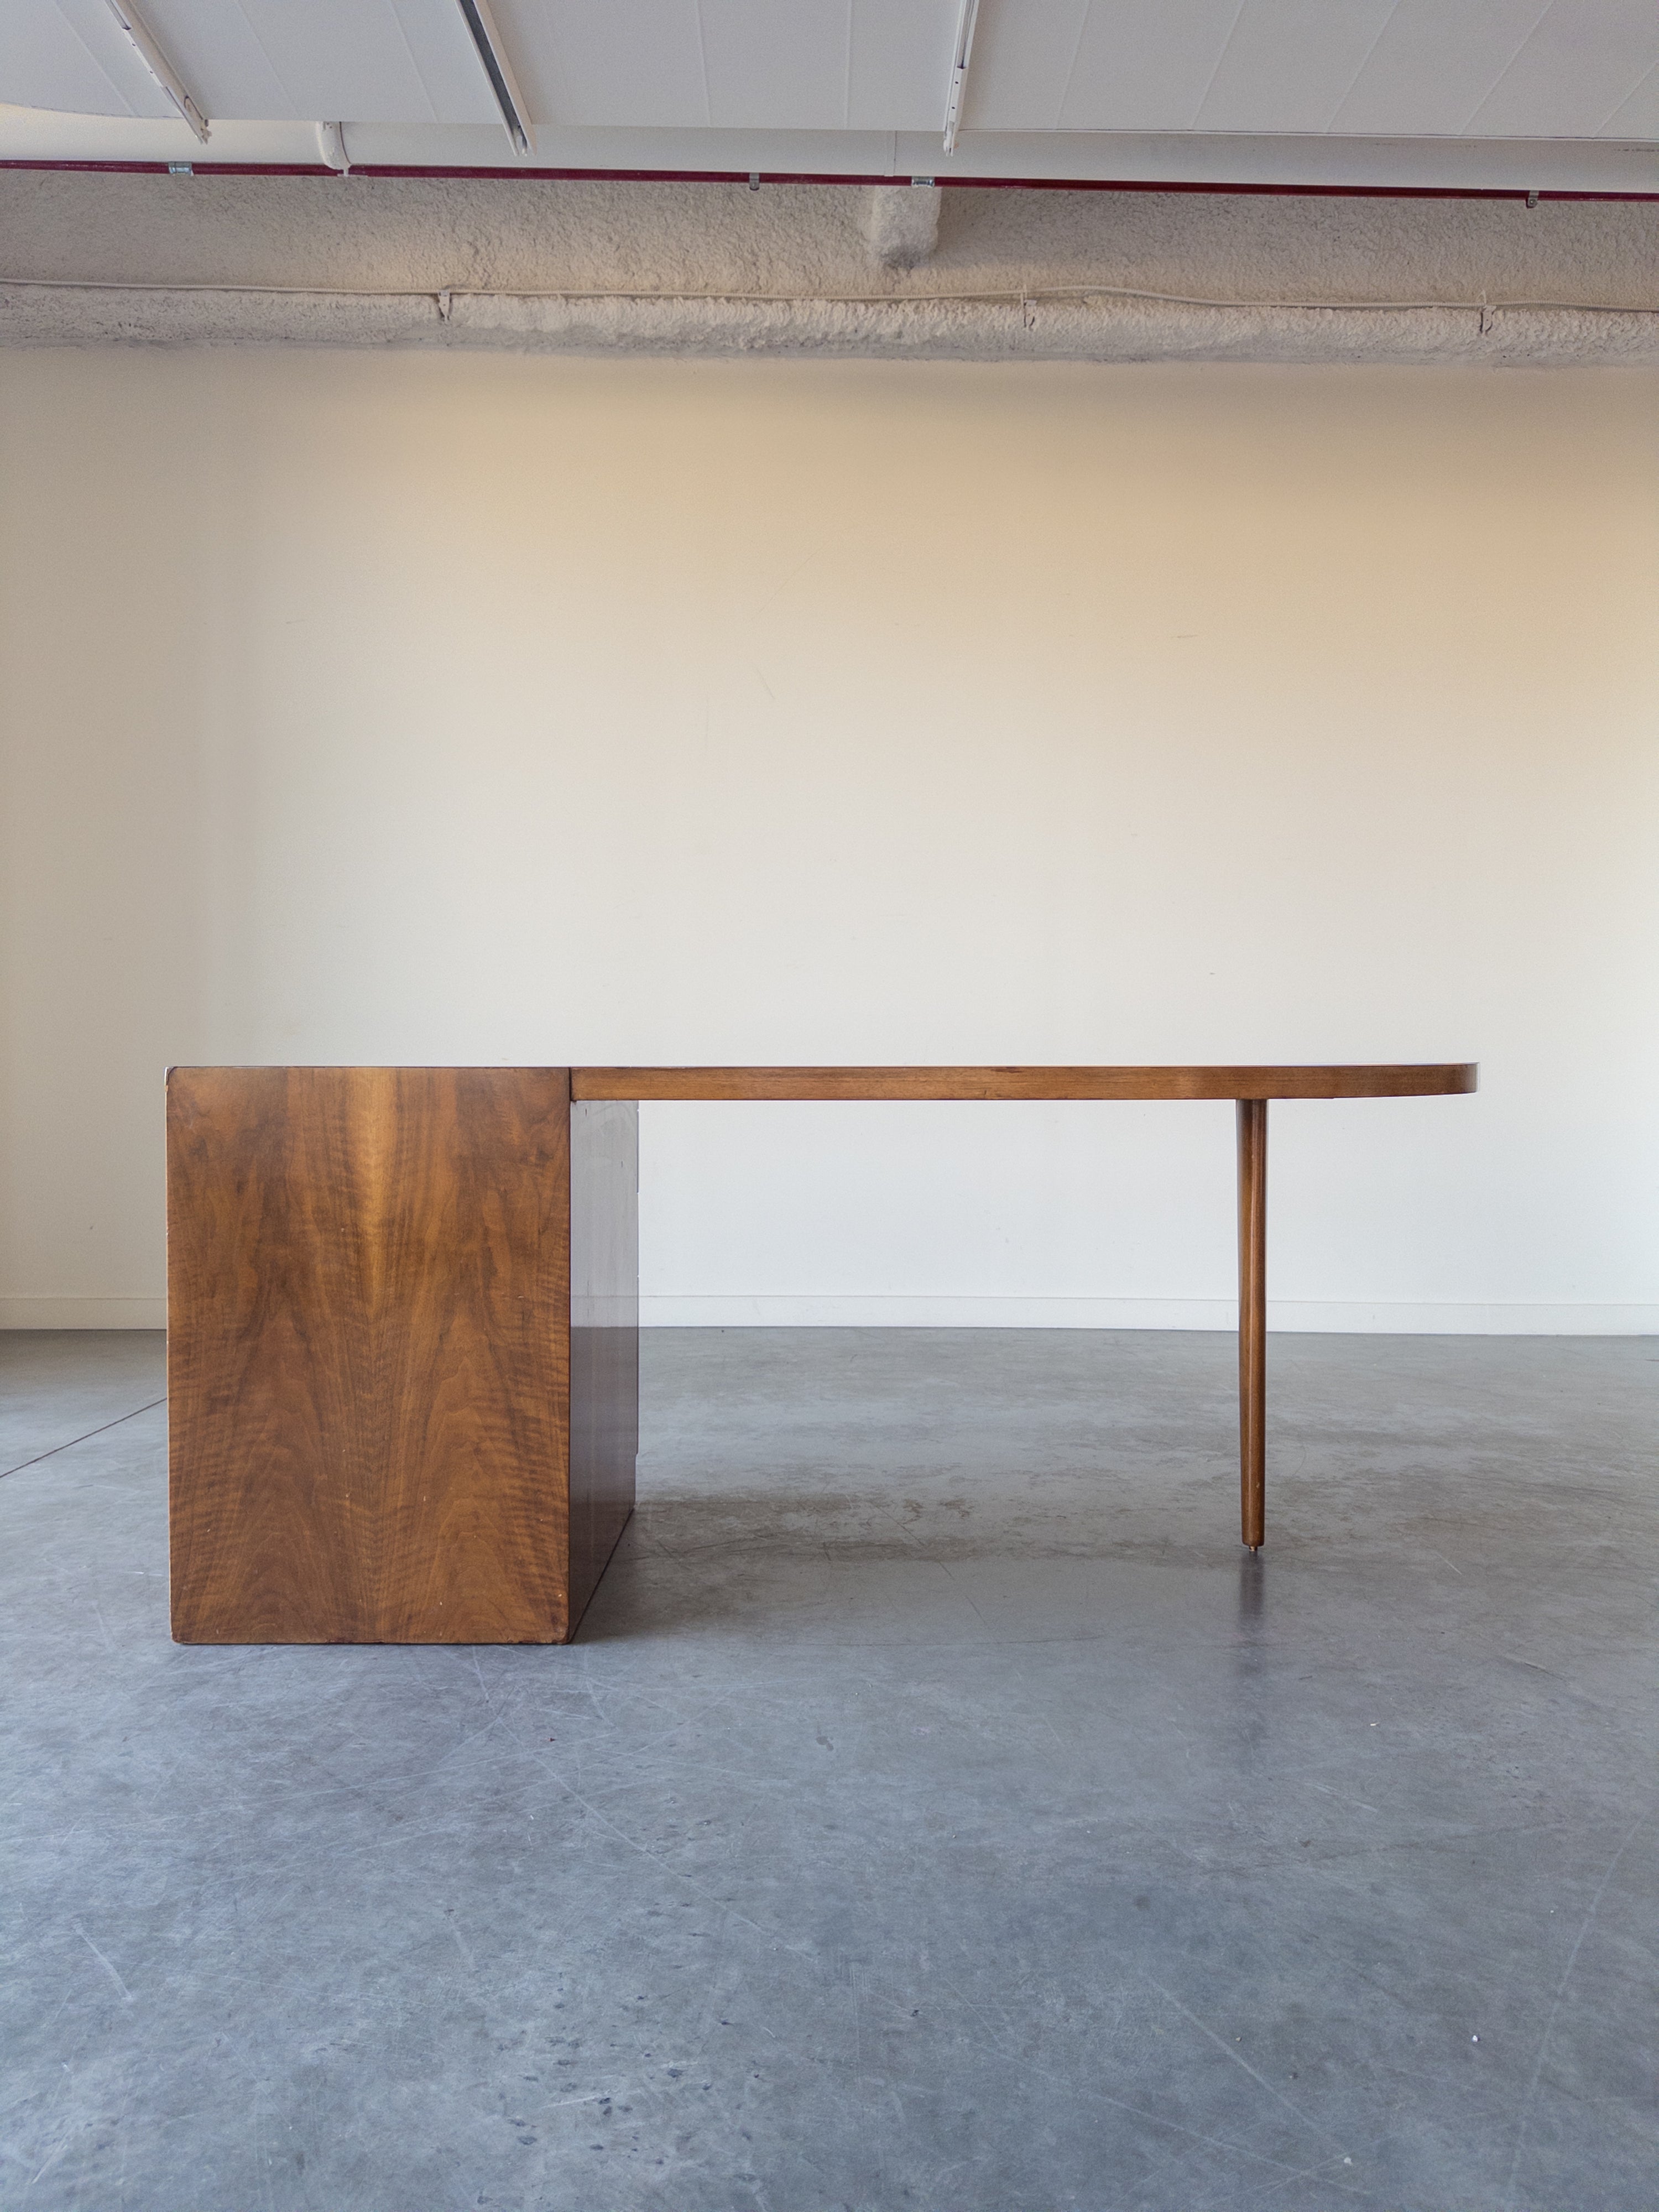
x: 1407, y: 1079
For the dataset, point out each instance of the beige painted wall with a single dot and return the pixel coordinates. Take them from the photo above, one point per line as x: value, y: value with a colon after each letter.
x: 388, y: 708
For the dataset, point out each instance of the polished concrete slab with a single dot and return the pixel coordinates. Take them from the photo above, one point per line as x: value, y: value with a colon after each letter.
x: 939, y: 1808
x: 58, y: 1384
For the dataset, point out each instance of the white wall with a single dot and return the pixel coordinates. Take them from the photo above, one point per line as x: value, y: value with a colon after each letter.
x: 395, y: 708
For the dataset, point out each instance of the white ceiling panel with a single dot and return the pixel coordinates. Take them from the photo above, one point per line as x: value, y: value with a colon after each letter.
x: 1434, y: 65
x: 222, y: 60
x: 1145, y: 64
x: 608, y: 61
x: 828, y: 65
x: 371, y: 61
x: 1022, y: 61
x: 71, y: 55
x: 901, y: 64
x: 1574, y: 73
x: 790, y: 66
x: 755, y: 64
x: 1512, y: 71
x: 1290, y: 64
x: 441, y: 47
x: 1639, y: 115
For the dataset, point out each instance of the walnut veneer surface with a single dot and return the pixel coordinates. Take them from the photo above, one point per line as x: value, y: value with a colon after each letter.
x: 1405, y: 1079
x: 368, y: 1354
x: 402, y: 1310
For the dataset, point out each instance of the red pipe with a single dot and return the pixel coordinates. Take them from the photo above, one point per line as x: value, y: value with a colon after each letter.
x: 172, y: 169
x: 807, y: 177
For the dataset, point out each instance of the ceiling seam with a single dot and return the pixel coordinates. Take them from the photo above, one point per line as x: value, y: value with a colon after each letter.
x: 1365, y: 64
x: 276, y: 76
x: 1601, y: 128
x: 74, y: 33
x: 420, y: 74
x: 1226, y: 48
x: 702, y: 65
x: 1486, y: 97
x: 1071, y: 66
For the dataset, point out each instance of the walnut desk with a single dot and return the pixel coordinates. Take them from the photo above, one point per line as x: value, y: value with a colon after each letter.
x: 403, y: 1325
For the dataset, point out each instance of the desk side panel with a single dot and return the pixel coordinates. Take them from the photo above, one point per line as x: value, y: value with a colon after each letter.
x: 367, y: 1284
x: 604, y: 1335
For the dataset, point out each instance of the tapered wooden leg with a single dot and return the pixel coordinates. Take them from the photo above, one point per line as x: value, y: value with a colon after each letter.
x: 1252, y: 1319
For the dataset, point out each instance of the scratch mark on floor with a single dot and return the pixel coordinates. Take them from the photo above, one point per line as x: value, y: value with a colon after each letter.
x: 1230, y: 2200
x: 1325, y: 1790
x: 1238, y: 2059
x: 61, y: 2148
x: 127, y: 1998
x: 1525, y: 2113
x: 1104, y: 2096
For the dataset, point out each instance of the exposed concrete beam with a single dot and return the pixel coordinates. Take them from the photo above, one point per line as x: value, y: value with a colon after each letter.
x: 713, y: 269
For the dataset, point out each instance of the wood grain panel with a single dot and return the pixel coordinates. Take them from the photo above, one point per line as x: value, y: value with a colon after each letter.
x: 1406, y: 1080
x: 369, y: 1348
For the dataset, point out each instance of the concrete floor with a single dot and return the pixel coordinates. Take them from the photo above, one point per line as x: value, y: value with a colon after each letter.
x: 938, y: 1810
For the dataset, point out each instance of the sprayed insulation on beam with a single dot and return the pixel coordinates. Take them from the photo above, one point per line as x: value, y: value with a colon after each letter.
x: 713, y: 269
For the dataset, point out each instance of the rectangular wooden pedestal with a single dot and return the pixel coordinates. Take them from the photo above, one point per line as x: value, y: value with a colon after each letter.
x: 403, y: 1353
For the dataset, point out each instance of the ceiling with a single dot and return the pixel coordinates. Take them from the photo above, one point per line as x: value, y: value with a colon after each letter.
x: 1070, y: 81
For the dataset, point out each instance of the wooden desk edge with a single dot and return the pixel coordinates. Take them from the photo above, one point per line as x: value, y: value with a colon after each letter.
x: 1421, y: 1079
